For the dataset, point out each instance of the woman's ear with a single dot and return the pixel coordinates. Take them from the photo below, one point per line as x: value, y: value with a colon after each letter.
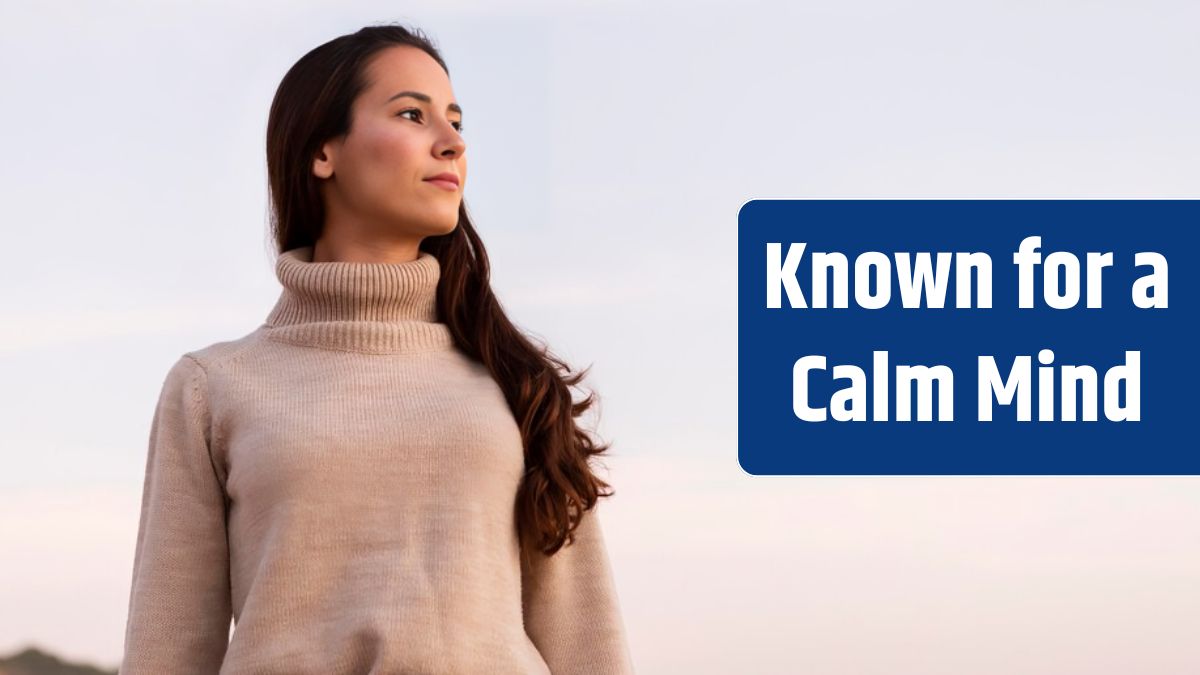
x: 322, y: 166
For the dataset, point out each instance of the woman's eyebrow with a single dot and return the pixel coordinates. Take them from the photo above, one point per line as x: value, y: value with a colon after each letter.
x: 452, y: 107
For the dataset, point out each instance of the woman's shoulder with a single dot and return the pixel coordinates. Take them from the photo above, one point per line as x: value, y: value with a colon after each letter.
x: 220, y: 355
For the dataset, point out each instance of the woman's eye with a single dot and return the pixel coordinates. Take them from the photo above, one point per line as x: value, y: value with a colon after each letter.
x: 457, y: 125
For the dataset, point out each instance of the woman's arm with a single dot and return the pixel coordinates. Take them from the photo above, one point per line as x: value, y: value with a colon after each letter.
x: 572, y: 613
x: 179, y: 601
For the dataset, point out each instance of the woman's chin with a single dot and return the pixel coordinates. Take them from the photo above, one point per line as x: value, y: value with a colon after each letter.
x: 446, y: 227
x: 448, y: 223
x: 431, y: 225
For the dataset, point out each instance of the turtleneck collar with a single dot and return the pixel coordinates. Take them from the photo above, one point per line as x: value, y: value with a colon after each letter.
x: 364, y: 307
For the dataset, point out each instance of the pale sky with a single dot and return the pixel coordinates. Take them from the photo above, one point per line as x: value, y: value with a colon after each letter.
x: 611, y: 146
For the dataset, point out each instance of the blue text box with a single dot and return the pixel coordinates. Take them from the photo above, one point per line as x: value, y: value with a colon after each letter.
x: 773, y: 439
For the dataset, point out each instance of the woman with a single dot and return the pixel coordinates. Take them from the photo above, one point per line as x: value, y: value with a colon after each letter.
x: 385, y: 476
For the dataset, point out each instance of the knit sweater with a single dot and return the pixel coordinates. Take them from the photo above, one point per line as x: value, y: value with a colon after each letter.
x: 341, y: 483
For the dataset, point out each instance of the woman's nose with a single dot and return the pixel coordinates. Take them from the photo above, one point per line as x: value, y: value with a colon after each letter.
x: 452, y: 143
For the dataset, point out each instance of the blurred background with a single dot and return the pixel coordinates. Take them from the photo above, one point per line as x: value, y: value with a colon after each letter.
x: 611, y: 146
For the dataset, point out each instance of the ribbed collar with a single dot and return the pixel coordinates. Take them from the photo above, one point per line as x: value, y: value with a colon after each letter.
x: 376, y: 308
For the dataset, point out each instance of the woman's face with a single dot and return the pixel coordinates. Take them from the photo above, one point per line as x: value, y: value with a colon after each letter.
x: 404, y: 130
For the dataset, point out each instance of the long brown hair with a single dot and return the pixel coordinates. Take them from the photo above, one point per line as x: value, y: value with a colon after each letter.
x: 313, y: 104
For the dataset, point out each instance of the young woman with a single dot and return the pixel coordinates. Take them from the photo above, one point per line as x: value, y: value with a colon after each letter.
x: 386, y: 476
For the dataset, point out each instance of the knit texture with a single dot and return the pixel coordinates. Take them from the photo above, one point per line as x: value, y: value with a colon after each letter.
x: 341, y: 482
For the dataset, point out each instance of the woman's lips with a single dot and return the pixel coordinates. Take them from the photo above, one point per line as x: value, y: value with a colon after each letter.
x: 444, y: 184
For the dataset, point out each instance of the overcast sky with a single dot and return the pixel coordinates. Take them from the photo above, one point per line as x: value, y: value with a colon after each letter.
x: 611, y: 146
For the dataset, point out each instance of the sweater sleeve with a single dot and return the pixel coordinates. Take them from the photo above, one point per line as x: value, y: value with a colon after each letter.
x: 571, y: 609
x: 179, y: 602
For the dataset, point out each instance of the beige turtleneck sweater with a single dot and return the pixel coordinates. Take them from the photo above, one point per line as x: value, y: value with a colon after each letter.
x: 340, y: 482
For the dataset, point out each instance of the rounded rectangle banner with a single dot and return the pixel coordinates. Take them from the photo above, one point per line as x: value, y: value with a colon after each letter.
x: 968, y: 336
